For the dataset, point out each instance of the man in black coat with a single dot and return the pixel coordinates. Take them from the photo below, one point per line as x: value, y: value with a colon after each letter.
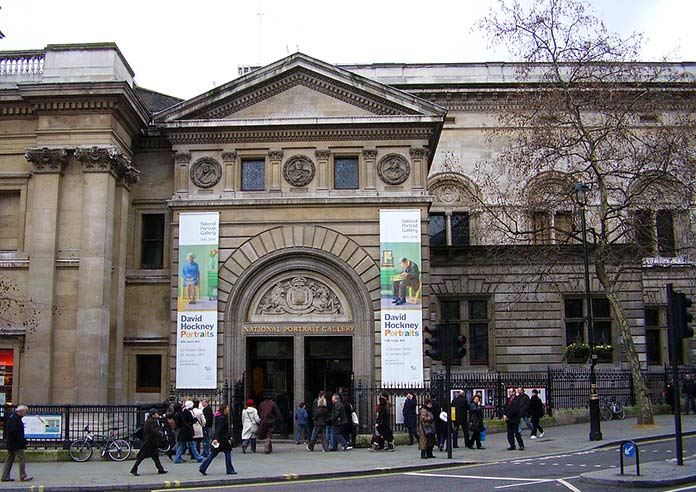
x: 149, y: 447
x: 461, y: 420
x: 411, y: 417
x: 208, y: 427
x: 512, y: 417
x: 16, y: 444
x: 338, y: 420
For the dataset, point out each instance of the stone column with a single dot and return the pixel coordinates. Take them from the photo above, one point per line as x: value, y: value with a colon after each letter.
x: 36, y: 374
x: 448, y: 227
x: 229, y: 159
x: 117, y: 389
x: 369, y: 156
x: 323, y: 165
x: 419, y: 163
x: 299, y: 370
x: 275, y: 156
x: 181, y: 160
x: 100, y: 167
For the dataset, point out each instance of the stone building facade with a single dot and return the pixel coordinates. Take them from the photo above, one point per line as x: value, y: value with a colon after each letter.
x: 298, y: 158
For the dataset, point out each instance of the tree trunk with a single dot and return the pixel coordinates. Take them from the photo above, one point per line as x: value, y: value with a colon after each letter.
x: 642, y: 394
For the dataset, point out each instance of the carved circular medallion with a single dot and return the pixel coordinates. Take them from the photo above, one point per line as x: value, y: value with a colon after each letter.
x: 393, y: 169
x: 299, y: 170
x: 206, y: 172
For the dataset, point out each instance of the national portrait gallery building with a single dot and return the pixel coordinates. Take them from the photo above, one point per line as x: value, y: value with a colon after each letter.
x: 296, y: 227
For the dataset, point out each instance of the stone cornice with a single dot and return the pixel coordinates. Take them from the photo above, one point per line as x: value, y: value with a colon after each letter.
x: 405, y: 198
x: 299, y: 135
x: 45, y: 160
x: 107, y: 159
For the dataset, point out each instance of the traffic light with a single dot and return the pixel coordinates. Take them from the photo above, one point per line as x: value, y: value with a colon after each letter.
x: 436, y: 350
x: 458, y: 344
x: 678, y: 314
x: 686, y: 318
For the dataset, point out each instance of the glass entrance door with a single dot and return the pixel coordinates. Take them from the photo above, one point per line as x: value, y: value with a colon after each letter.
x: 329, y: 365
x: 270, y: 369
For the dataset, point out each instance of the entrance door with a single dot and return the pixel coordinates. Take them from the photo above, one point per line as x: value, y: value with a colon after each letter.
x: 329, y: 365
x: 270, y: 369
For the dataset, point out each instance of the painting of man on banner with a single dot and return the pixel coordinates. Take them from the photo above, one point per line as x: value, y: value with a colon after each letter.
x: 407, y: 279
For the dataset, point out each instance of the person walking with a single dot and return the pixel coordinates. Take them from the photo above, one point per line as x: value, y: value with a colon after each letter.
x: 350, y: 429
x: 524, y: 410
x: 383, y: 426
x: 301, y: 419
x: 512, y: 419
x: 426, y: 430
x: 16, y: 444
x: 461, y: 419
x: 221, y: 443
x: 410, y: 414
x: 536, y: 411
x: 208, y: 427
x: 320, y: 416
x: 184, y: 420
x: 440, y: 423
x: 250, y: 426
x: 198, y: 425
x: 476, y: 422
x: 338, y: 420
x: 270, y: 418
x: 689, y: 390
x: 149, y: 447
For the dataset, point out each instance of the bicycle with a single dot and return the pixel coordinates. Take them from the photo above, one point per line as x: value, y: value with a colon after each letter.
x: 610, y: 409
x: 117, y: 449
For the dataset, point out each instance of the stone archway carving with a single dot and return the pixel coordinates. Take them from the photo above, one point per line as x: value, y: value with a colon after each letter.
x: 316, y: 249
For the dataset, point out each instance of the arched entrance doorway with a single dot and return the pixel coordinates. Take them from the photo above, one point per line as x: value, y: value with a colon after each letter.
x: 296, y: 321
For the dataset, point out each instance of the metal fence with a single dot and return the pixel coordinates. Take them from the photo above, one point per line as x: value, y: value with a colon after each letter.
x: 559, y: 388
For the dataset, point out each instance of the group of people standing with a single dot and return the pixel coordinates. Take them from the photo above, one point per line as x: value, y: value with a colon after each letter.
x: 520, y: 407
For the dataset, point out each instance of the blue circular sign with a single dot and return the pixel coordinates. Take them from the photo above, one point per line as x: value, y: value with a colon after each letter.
x: 628, y: 449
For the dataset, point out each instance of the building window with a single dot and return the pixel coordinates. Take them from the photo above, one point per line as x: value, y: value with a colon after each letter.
x: 653, y: 338
x: 9, y: 220
x: 253, y: 175
x: 346, y: 173
x: 576, y: 328
x: 654, y: 232
x: 474, y: 326
x: 438, y: 230
x: 148, y: 373
x: 552, y: 228
x: 458, y: 225
x: 152, y: 241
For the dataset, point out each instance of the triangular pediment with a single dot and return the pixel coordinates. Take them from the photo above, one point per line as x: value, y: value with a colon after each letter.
x: 299, y: 87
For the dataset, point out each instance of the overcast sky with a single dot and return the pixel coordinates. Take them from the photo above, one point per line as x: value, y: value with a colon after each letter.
x: 184, y: 48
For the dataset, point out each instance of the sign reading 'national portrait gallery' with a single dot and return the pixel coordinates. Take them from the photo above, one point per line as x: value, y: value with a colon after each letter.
x: 401, y: 299
x: 196, y: 324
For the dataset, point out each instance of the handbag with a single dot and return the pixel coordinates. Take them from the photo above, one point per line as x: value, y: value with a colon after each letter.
x: 483, y: 435
x: 354, y: 418
x: 254, y: 425
x: 428, y: 430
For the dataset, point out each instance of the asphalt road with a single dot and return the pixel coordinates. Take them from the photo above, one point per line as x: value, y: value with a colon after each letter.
x: 513, y: 472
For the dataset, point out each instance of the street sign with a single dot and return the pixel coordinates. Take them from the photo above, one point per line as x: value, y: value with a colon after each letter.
x: 628, y: 449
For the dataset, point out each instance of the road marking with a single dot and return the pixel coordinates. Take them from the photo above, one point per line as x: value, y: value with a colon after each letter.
x: 535, y: 482
x: 475, y: 477
x: 571, y: 487
x: 690, y: 487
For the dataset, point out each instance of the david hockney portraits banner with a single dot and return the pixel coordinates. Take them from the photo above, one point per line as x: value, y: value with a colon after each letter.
x: 402, y: 319
x: 196, y: 333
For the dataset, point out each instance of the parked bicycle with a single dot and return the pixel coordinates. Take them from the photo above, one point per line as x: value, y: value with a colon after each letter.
x: 610, y: 409
x: 117, y: 449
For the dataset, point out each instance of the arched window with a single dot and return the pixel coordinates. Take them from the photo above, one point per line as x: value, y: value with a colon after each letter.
x: 551, y: 209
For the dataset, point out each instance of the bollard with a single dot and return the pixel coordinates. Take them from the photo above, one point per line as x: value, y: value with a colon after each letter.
x: 629, y: 449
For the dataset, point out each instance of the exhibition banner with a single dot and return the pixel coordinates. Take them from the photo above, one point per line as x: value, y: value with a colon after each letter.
x: 196, y: 325
x: 401, y: 298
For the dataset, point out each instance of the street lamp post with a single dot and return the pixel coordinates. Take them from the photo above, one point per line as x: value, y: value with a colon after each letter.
x: 595, y: 430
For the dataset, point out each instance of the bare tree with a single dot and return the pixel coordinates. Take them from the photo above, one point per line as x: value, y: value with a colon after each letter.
x: 582, y: 108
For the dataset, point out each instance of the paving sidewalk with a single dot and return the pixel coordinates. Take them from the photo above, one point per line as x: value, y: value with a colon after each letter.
x: 289, y: 461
